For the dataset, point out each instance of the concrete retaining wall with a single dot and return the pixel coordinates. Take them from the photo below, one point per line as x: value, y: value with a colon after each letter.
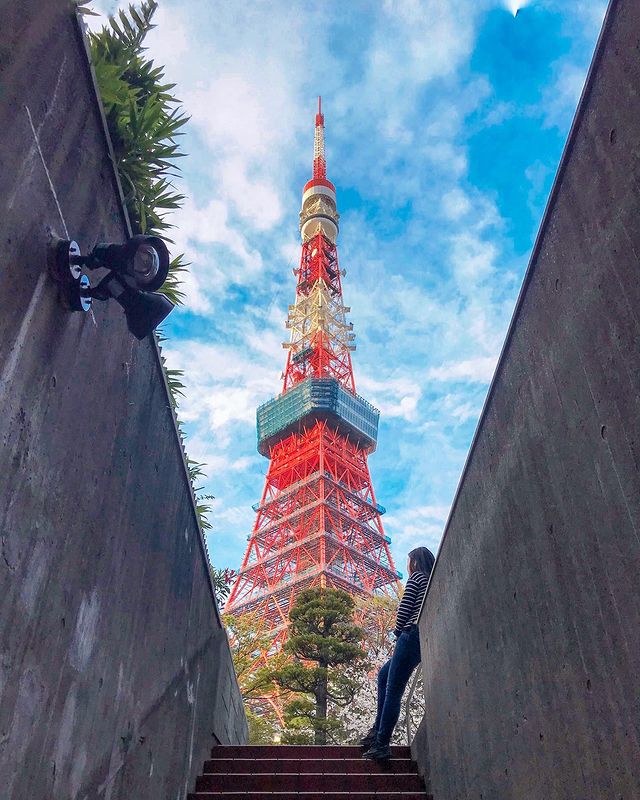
x: 531, y: 626
x: 115, y: 672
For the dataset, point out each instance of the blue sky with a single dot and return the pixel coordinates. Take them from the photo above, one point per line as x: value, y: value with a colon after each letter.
x: 445, y: 122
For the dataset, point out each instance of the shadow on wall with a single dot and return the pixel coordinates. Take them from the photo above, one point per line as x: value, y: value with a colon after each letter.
x: 116, y: 672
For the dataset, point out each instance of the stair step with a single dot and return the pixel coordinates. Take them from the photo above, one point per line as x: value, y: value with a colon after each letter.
x: 263, y: 766
x: 307, y: 772
x: 398, y: 795
x: 297, y: 751
x: 309, y: 782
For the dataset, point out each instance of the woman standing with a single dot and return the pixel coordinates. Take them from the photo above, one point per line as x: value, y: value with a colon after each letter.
x: 394, y: 675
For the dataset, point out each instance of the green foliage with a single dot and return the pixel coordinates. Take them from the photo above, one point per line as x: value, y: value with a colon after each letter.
x: 196, y: 471
x: 144, y: 121
x: 304, y: 726
x: 324, y: 641
x: 174, y: 381
x: 249, y: 638
x: 222, y: 580
x: 263, y: 729
x: 203, y: 509
x: 300, y: 722
x: 171, y: 287
x: 219, y: 583
x: 322, y: 627
x: 84, y: 10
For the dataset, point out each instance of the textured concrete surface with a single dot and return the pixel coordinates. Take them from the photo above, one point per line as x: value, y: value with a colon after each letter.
x: 115, y: 673
x: 531, y: 626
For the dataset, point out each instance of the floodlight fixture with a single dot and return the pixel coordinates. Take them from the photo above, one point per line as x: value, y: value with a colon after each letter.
x: 145, y: 259
x: 135, y: 270
x: 144, y: 311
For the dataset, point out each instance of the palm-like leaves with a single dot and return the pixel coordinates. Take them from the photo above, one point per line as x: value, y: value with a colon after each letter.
x: 144, y: 121
x: 195, y: 468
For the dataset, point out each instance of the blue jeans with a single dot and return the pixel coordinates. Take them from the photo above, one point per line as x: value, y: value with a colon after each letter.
x: 392, y: 681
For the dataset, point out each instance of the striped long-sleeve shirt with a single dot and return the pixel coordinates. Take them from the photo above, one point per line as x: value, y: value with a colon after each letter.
x: 411, y: 601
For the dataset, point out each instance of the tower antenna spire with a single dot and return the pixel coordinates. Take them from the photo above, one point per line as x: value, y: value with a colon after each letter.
x: 319, y: 161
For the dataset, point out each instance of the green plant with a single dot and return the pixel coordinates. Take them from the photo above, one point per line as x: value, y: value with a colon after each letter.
x: 195, y: 468
x: 222, y: 579
x: 249, y: 637
x: 263, y: 729
x: 144, y: 121
x: 203, y: 509
x: 324, y: 641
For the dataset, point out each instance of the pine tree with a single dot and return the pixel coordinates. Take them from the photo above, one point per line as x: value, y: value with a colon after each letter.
x: 324, y: 641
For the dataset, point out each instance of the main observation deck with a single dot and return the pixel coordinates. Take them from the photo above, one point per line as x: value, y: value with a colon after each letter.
x: 312, y: 400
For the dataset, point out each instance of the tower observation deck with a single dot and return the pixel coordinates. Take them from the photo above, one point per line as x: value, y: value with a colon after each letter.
x: 318, y: 522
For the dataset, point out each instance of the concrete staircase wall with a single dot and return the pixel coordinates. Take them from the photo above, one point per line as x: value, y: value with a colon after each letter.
x: 115, y: 672
x: 531, y: 627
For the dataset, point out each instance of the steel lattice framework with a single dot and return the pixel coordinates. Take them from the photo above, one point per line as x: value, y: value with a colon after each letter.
x: 318, y: 522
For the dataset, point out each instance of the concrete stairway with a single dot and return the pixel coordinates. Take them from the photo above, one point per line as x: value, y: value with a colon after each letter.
x: 307, y: 773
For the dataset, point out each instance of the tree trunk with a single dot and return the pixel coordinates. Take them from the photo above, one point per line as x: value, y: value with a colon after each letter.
x: 321, y: 710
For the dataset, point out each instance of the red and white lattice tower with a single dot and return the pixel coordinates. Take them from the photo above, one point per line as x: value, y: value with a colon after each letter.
x: 318, y: 522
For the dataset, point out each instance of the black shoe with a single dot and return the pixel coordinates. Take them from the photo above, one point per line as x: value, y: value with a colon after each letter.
x: 379, y: 752
x: 369, y: 740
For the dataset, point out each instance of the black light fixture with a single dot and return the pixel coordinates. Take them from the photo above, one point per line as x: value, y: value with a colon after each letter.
x: 136, y: 269
x: 145, y: 259
x: 143, y: 311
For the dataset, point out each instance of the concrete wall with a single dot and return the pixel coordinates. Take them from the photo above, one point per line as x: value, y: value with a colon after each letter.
x: 531, y: 626
x: 115, y: 672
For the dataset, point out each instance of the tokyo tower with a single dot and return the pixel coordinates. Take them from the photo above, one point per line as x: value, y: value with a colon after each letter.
x: 318, y: 522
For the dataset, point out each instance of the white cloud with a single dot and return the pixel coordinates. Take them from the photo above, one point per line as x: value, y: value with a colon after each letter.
x: 460, y: 408
x: 290, y: 252
x: 537, y: 174
x: 225, y: 384
x: 432, y: 274
x: 584, y: 16
x: 393, y: 397
x: 196, y: 229
x: 498, y: 113
x: 472, y: 370
x: 210, y: 224
x: 170, y: 40
x: 415, y: 526
x: 104, y: 8
x: 237, y: 120
x: 233, y: 514
x: 473, y: 259
x: 246, y: 107
x: 455, y: 203
x: 420, y: 40
x: 592, y: 13
x: 230, y: 404
x: 446, y: 156
x: 256, y: 201
x: 560, y: 99
x: 215, y: 462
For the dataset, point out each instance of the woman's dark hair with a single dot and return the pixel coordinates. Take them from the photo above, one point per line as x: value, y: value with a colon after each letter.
x: 421, y: 560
